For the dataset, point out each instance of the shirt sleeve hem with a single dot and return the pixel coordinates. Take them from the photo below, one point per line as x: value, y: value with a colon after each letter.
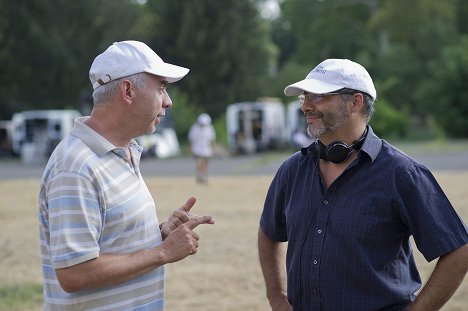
x: 271, y: 234
x: 75, y: 261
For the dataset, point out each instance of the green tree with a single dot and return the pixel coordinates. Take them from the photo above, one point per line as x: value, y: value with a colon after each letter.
x: 226, y: 44
x: 47, y: 46
x: 445, y: 94
x: 412, y: 65
x: 327, y: 29
x: 414, y: 50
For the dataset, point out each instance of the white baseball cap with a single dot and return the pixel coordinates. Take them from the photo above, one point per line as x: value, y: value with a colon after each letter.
x: 332, y: 75
x: 126, y: 58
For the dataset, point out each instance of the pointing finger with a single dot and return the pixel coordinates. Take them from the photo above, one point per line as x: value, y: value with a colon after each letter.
x: 199, y: 220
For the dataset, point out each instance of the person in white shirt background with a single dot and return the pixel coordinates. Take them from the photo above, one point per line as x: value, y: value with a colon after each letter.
x: 202, y: 138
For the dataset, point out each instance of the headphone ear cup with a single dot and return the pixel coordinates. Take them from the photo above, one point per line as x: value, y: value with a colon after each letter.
x: 337, y: 152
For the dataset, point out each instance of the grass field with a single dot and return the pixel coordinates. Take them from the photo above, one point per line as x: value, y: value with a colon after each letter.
x: 223, y: 276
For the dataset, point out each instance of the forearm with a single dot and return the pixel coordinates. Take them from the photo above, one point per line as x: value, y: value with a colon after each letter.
x: 110, y: 269
x: 447, y: 276
x: 272, y: 261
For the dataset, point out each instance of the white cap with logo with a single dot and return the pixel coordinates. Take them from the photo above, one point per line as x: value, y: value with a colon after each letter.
x: 126, y: 58
x: 332, y: 75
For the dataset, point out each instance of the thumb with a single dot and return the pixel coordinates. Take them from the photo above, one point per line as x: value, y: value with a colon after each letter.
x: 199, y: 220
x: 188, y: 205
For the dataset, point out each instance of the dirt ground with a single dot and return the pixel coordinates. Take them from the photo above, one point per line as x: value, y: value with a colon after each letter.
x: 225, y: 274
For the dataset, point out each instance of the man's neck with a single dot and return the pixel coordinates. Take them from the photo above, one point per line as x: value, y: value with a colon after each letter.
x: 103, y: 123
x: 344, y: 134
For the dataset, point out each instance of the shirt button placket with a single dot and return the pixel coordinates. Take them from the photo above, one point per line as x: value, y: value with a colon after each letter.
x: 317, y: 249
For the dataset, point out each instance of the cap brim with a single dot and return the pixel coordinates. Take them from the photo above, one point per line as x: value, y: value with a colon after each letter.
x: 171, y: 72
x: 311, y: 86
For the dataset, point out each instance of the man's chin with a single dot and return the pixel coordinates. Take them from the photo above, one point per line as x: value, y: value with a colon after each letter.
x: 152, y: 129
x: 315, y: 134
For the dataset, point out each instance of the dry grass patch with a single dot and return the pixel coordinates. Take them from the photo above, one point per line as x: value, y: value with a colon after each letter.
x: 224, y: 275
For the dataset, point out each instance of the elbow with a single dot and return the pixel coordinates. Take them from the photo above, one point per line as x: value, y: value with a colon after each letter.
x: 69, y: 288
x: 68, y: 283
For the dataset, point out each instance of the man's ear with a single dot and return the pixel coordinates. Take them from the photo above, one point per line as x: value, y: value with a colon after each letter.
x: 358, y: 102
x: 126, y: 91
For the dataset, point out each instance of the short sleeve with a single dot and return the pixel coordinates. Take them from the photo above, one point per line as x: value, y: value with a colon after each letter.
x: 75, y: 220
x: 273, y: 220
x: 429, y: 215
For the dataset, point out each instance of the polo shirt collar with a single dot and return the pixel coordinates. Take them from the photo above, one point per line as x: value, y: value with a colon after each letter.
x: 93, y: 139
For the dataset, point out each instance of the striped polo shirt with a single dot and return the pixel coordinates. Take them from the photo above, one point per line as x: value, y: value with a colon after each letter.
x: 94, y: 201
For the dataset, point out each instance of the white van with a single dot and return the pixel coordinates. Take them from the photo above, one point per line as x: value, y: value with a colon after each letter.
x: 297, y: 126
x: 36, y: 133
x: 256, y: 126
x: 163, y: 143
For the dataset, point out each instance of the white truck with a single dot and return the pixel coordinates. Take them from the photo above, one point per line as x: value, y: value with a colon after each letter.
x: 297, y: 126
x: 256, y: 126
x: 37, y: 132
x: 163, y: 143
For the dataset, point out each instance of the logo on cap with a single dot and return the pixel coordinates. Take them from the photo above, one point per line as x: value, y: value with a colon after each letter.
x: 320, y: 69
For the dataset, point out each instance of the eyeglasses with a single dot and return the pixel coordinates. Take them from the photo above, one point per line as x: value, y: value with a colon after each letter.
x: 317, y: 98
x: 163, y: 86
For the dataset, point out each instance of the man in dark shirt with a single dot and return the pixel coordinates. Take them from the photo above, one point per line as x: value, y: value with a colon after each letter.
x: 347, y: 206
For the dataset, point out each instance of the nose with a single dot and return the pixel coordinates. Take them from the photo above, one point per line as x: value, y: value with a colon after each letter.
x: 167, y: 102
x: 307, y: 106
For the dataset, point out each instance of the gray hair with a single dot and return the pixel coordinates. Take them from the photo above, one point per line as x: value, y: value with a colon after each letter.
x: 105, y: 93
x: 368, y: 108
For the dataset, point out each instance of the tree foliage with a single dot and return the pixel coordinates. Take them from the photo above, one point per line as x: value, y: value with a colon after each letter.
x: 416, y: 52
x: 47, y: 48
x: 224, y: 43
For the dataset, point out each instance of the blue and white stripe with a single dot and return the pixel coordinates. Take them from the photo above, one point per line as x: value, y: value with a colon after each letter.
x: 93, y: 201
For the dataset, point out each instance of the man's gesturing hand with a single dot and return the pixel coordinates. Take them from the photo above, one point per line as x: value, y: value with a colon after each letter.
x: 177, y: 232
x: 181, y: 216
x: 183, y: 241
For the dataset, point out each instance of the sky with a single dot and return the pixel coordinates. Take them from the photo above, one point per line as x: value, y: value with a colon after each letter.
x: 270, y: 9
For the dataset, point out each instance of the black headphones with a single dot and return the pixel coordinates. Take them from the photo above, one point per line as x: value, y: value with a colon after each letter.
x: 338, y: 151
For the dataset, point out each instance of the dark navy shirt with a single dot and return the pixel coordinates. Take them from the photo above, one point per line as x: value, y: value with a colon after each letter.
x: 348, y: 245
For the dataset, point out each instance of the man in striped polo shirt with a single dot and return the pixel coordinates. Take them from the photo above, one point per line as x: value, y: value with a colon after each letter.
x: 102, y: 245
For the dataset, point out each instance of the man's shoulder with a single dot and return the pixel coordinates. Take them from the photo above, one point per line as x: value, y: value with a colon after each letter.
x: 391, y: 152
x: 392, y: 158
x: 71, y: 156
x: 296, y: 161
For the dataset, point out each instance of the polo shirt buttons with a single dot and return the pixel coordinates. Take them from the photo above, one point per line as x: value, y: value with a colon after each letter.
x: 325, y: 202
x: 315, y: 262
x: 319, y: 231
